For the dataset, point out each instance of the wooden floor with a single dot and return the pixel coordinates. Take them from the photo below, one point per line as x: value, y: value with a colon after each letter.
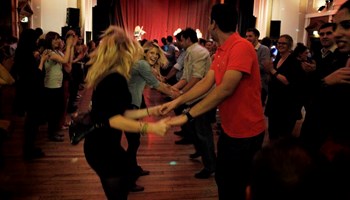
x: 63, y: 174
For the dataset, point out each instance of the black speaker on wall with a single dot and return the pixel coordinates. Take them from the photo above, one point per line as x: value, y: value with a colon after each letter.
x: 73, y: 15
x: 275, y: 29
x: 100, y: 21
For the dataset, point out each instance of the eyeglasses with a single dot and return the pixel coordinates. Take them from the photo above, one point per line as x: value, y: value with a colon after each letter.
x: 282, y: 43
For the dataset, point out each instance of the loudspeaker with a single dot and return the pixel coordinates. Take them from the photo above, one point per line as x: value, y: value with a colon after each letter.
x: 275, y: 29
x: 100, y: 21
x: 73, y: 15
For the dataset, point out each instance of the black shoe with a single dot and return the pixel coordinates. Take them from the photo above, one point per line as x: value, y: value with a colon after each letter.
x: 203, y: 174
x: 137, y: 188
x: 179, y: 133
x: 195, y: 155
x: 34, y: 154
x: 183, y: 141
x: 142, y: 172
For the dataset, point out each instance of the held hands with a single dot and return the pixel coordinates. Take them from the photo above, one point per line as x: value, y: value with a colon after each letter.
x: 167, y: 107
x: 161, y: 127
x: 175, y: 92
x: 155, y: 110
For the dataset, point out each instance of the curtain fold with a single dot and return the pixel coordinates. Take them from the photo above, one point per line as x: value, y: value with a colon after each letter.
x: 160, y: 18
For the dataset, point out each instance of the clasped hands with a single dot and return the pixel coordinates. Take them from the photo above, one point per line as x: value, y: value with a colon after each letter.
x: 163, y: 125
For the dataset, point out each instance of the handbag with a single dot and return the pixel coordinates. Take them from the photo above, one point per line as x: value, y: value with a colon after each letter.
x: 80, y: 126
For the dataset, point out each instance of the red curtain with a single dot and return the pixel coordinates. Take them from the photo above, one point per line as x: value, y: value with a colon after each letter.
x: 161, y: 18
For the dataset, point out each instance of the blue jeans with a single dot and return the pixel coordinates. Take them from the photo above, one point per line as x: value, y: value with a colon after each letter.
x: 233, y: 164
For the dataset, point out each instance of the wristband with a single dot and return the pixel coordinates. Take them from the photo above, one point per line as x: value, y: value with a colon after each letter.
x: 147, y: 111
x: 189, y: 116
x: 143, y: 128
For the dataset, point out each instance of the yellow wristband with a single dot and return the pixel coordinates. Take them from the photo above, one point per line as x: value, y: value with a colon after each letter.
x: 144, y: 127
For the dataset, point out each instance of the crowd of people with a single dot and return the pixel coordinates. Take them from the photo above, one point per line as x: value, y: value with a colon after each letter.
x: 237, y: 77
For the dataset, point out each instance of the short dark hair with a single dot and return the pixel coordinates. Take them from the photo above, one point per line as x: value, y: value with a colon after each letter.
x: 178, y: 36
x: 225, y: 16
x: 190, y: 33
x: 326, y: 25
x: 202, y: 41
x: 255, y: 31
x: 169, y: 38
x: 266, y: 41
x: 299, y: 49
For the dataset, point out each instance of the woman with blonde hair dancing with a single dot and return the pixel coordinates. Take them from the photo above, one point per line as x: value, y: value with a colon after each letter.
x: 110, y: 69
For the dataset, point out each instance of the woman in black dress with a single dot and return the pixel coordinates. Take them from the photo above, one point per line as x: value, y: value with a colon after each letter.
x: 110, y: 69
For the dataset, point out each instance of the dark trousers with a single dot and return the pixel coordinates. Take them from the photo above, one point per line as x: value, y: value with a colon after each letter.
x: 203, y: 139
x: 115, y: 188
x: 31, y: 129
x: 233, y: 164
x: 54, y: 99
x: 186, y: 128
x: 133, y: 146
x: 77, y: 77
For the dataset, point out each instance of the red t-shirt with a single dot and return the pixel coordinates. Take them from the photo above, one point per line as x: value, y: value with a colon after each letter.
x: 241, y: 113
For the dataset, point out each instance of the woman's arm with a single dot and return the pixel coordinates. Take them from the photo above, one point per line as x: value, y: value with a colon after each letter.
x: 122, y: 123
x: 141, y: 113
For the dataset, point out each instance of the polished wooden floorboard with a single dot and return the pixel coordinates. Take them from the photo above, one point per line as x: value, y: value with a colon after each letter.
x: 63, y: 173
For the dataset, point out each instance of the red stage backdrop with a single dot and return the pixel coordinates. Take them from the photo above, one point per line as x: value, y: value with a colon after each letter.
x: 161, y: 18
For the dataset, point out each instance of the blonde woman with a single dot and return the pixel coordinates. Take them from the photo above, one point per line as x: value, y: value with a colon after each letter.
x: 157, y: 63
x: 110, y: 69
x: 141, y: 75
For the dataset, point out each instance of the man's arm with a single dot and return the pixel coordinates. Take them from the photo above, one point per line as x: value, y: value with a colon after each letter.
x: 229, y: 83
x: 193, y: 81
x: 196, y: 91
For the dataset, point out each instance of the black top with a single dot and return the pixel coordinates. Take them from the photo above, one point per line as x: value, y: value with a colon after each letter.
x: 102, y: 147
x: 285, y: 100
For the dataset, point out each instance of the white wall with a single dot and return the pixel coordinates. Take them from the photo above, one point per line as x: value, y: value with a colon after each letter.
x: 50, y: 15
x: 288, y: 12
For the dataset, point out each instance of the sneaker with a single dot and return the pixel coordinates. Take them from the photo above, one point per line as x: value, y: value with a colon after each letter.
x: 203, y: 174
x: 142, y: 172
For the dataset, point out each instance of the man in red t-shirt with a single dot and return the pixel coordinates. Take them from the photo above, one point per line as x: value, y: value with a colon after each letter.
x: 235, y: 72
